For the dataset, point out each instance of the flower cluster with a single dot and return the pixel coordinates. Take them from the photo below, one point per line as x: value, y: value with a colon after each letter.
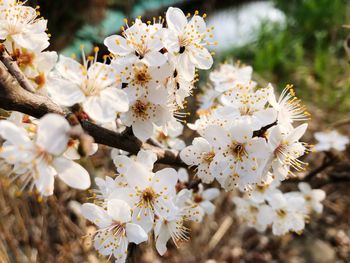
x: 38, y: 150
x: 152, y: 71
x: 139, y: 201
x: 285, y: 212
x: 248, y: 141
x: 245, y: 132
x: 23, y: 34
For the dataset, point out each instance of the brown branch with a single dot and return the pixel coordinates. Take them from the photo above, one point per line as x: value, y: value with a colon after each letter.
x: 329, y: 160
x: 14, y: 98
x: 15, y: 71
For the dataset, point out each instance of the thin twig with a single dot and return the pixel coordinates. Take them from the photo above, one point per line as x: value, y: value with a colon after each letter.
x: 329, y: 160
x: 15, y: 71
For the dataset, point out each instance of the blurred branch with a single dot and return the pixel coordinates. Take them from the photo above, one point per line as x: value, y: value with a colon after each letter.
x: 14, y: 97
x: 341, y: 123
x: 329, y: 160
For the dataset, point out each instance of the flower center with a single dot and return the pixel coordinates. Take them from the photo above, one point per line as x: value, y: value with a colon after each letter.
x: 118, y: 228
x: 142, y: 77
x: 238, y: 151
x: 147, y: 198
x: 140, y: 109
x: 197, y: 198
x: 47, y: 157
x: 208, y: 157
x: 281, y: 213
x: 162, y: 137
x: 23, y: 57
x: 308, y: 198
x: 261, y: 188
x: 253, y: 209
x: 246, y: 111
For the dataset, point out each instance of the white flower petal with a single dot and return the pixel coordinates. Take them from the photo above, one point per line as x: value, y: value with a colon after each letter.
x: 143, y: 130
x: 208, y: 207
x: 165, y: 181
x: 119, y: 210
x: 44, y: 178
x: 176, y: 19
x: 12, y: 133
x: 211, y: 193
x: 154, y: 59
x: 135, y: 233
x: 96, y: 215
x: 201, y: 58
x: 98, y: 110
x: 162, y: 240
x: 72, y: 173
x: 147, y: 158
x: 117, y: 45
x: 52, y: 134
x: 116, y: 99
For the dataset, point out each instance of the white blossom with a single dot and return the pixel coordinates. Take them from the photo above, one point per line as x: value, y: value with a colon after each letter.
x: 41, y: 159
x: 289, y: 107
x: 330, y: 139
x: 312, y: 197
x: 249, y: 210
x: 186, y: 42
x: 20, y: 24
x: 228, y: 76
x: 144, y: 115
x: 139, y: 43
x: 287, y: 149
x: 116, y: 229
x: 95, y: 85
x: 147, y: 193
x: 286, y: 213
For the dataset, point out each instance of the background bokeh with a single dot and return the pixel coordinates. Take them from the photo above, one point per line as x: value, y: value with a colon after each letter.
x: 300, y: 42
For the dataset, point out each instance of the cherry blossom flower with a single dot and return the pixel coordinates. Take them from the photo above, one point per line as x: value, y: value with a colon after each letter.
x: 36, y: 66
x: 171, y: 226
x: 237, y: 155
x: 287, y: 149
x: 147, y: 193
x: 200, y: 154
x: 41, y: 159
x: 286, y: 213
x: 20, y: 24
x: 250, y: 107
x: 263, y: 190
x: 208, y: 99
x: 329, y: 140
x: 289, y: 107
x: 228, y: 76
x: 116, y: 229
x: 72, y: 151
x: 168, y: 135
x: 179, y: 88
x: 313, y: 197
x: 249, y: 210
x: 144, y: 81
x: 186, y: 41
x: 140, y: 43
x: 95, y: 85
x: 143, y: 115
x: 204, y: 199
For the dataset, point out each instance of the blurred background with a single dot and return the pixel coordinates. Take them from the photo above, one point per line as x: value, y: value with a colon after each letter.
x: 300, y: 42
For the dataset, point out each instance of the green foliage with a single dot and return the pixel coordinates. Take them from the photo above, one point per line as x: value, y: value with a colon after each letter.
x: 306, y: 51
